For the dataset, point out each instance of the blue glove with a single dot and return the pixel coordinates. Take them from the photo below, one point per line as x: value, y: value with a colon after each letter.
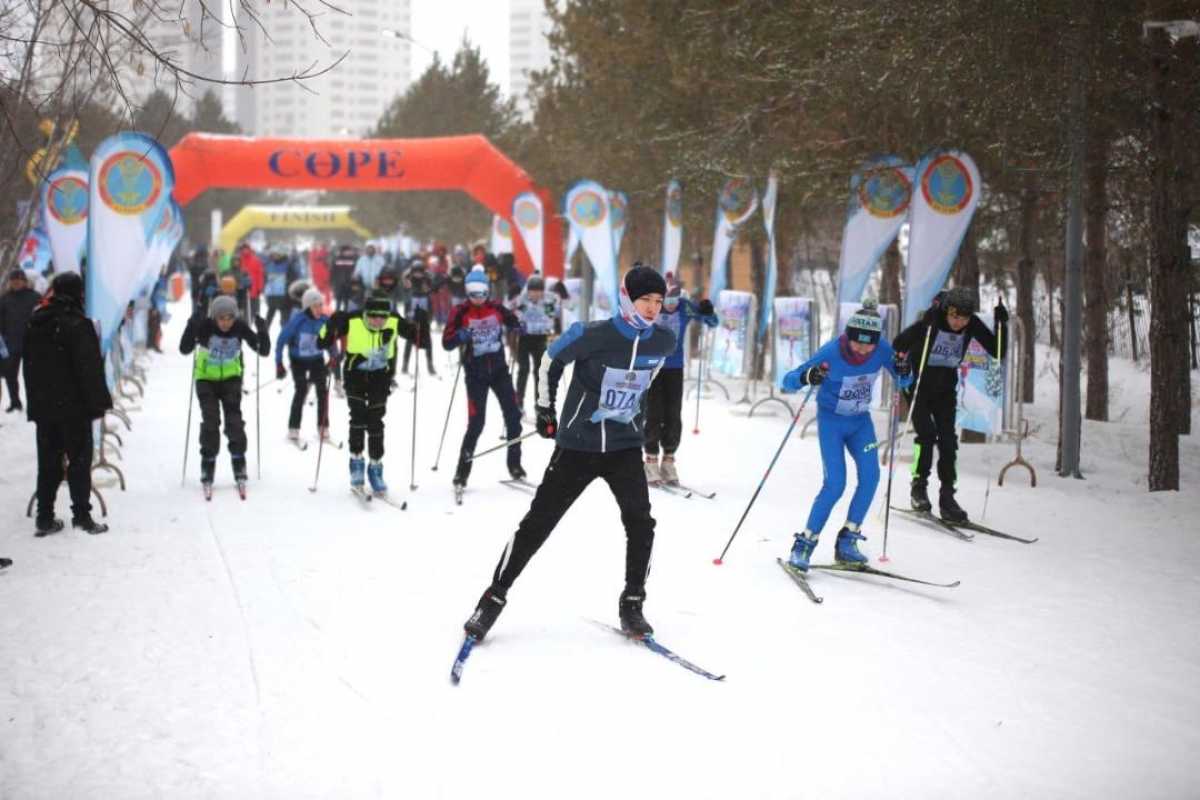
x: 792, y: 382
x: 464, y: 336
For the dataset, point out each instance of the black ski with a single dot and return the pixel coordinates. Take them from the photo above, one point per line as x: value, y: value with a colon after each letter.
x: 520, y: 484
x: 866, y: 569
x: 651, y: 644
x: 977, y: 528
x: 460, y: 661
x: 937, y: 522
x: 800, y: 580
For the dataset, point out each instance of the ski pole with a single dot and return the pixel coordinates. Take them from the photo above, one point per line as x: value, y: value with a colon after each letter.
x: 257, y: 412
x: 721, y: 558
x: 887, y: 506
x: 412, y: 466
x: 503, y: 446
x: 257, y: 389
x: 699, y: 382
x: 320, y: 437
x: 188, y: 433
x: 917, y: 387
x: 449, y: 408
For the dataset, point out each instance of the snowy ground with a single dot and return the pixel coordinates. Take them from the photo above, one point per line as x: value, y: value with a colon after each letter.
x: 297, y: 645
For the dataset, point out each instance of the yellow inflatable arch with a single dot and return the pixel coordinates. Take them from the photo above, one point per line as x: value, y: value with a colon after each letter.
x: 307, y: 218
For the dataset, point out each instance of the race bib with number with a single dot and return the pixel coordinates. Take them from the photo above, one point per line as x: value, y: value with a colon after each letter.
x: 535, y: 320
x: 307, y: 346
x: 946, y: 350
x: 621, y: 394
x: 276, y: 284
x: 223, y: 349
x: 485, y: 335
x: 855, y: 395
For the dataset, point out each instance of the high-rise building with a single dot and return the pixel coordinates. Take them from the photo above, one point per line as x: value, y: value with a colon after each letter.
x: 528, y: 47
x: 346, y: 101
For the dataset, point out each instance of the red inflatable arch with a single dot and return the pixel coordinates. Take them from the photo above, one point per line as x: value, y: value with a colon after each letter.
x: 469, y: 163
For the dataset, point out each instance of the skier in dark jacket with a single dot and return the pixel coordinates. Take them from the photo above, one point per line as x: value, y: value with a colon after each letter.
x: 614, y: 361
x: 419, y: 285
x: 66, y: 391
x: 936, y: 345
x: 16, y: 307
x: 217, y: 373
x: 478, y: 326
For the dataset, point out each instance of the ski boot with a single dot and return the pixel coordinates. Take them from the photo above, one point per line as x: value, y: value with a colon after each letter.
x: 358, y: 467
x: 86, y: 523
x: 802, y: 549
x: 668, y: 472
x: 44, y: 526
x: 375, y: 476
x: 208, y: 466
x: 294, y: 435
x: 653, y: 475
x: 949, y: 508
x: 920, y: 498
x: 517, y: 472
x: 486, y: 612
x: 324, y: 433
x: 630, y: 610
x: 239, y: 473
x: 460, y: 480
x: 846, y: 549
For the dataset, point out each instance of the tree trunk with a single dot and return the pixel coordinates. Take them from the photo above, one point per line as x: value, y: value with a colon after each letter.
x: 1168, y: 325
x: 966, y: 270
x: 1095, y: 269
x: 889, y: 285
x: 758, y: 276
x: 1051, y: 276
x: 1025, y: 280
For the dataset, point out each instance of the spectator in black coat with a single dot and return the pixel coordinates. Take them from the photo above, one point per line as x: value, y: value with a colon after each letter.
x: 16, y: 306
x: 66, y: 391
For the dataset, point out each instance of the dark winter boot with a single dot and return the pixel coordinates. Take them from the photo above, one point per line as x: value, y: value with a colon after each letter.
x: 239, y: 467
x: 88, y: 524
x: 491, y: 603
x: 846, y: 550
x: 44, y: 526
x: 208, y: 467
x: 630, y: 610
x: 461, y: 473
x: 949, y: 508
x: 517, y: 473
x: 358, y: 471
x: 920, y: 497
x: 802, y: 550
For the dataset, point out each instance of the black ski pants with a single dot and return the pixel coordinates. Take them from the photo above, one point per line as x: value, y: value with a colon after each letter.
x: 309, y: 372
x: 420, y: 318
x: 73, y: 439
x: 217, y: 398
x: 281, y: 305
x: 500, y: 383
x: 11, y: 366
x: 933, y: 419
x: 530, y: 349
x: 568, y: 474
x: 366, y: 422
x: 664, y: 412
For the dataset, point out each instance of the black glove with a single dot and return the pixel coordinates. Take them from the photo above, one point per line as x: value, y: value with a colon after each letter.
x: 280, y: 371
x: 1000, y: 314
x: 547, y: 422
x: 900, y: 362
x: 260, y: 324
x: 815, y: 375
x: 706, y: 308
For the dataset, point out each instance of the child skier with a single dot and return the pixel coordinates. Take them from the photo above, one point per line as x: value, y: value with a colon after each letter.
x: 369, y: 372
x: 938, y: 342
x: 300, y: 337
x: 664, y: 402
x: 479, y: 324
x: 615, y: 362
x: 540, y: 317
x: 845, y: 369
x: 218, y: 377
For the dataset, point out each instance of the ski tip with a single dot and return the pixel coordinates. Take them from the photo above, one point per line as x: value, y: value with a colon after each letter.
x: 953, y: 585
x: 404, y: 506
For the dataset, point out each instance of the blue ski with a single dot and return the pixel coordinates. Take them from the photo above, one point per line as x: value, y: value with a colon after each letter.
x: 460, y: 661
x: 653, y: 646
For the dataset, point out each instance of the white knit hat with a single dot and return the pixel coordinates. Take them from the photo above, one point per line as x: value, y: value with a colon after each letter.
x: 311, y: 298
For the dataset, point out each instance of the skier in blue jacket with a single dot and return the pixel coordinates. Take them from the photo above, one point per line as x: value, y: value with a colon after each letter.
x: 845, y: 371
x: 300, y: 338
x: 664, y: 401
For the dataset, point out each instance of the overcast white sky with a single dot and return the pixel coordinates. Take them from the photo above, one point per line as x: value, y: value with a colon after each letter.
x: 440, y: 24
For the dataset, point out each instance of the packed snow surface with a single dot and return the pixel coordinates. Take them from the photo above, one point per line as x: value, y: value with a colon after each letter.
x: 298, y: 645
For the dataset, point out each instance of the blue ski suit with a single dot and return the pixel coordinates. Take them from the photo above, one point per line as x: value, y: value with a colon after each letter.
x: 844, y: 423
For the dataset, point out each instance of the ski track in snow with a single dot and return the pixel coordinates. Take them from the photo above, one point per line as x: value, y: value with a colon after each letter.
x: 298, y: 645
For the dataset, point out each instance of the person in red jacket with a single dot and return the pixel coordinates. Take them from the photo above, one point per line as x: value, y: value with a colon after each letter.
x: 253, y: 267
x: 318, y: 269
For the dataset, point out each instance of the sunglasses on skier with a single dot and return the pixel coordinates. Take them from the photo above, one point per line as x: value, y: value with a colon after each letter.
x: 477, y: 295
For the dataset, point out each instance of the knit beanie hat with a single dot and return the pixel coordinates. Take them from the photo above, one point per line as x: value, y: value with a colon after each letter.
x: 535, y: 283
x: 477, y: 281
x: 68, y: 284
x: 865, y: 325
x: 312, y: 298
x: 378, y: 304
x: 961, y: 299
x: 222, y: 305
x: 641, y: 281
